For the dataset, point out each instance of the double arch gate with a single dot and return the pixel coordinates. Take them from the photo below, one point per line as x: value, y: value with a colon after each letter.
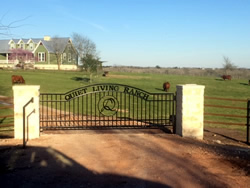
x: 106, y: 106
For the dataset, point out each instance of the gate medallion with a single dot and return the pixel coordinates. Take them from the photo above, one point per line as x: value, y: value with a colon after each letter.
x: 108, y: 105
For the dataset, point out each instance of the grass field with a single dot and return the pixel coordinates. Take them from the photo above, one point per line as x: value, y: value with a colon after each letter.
x: 64, y: 81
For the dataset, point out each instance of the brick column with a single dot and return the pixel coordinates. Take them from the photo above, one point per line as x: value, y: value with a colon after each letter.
x: 190, y: 110
x: 22, y: 95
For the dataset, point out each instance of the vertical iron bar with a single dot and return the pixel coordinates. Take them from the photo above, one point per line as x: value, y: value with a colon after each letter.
x: 56, y: 108
x: 157, y: 110
x: 174, y: 113
x: 125, y: 107
x: 91, y: 105
x: 133, y: 117
x: 87, y: 113
x: 116, y: 119
x: 112, y: 117
x: 129, y: 117
x: 47, y: 109
x: 82, y: 109
x: 169, y: 112
x: 51, y: 108
x: 105, y: 117
x: 137, y: 109
x: 248, y: 126
x: 69, y: 112
x: 162, y: 109
x: 121, y: 109
x: 166, y: 109
x: 150, y: 112
x: 141, y: 111
x: 65, y: 111
x: 99, y: 116
x: 73, y: 112
x: 60, y: 110
x: 145, y: 115
x: 95, y: 109
x: 78, y: 112
x: 153, y: 109
x: 42, y: 111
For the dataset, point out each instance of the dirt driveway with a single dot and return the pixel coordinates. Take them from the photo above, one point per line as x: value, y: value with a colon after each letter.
x: 122, y: 158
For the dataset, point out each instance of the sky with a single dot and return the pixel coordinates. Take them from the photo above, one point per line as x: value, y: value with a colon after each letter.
x: 146, y: 33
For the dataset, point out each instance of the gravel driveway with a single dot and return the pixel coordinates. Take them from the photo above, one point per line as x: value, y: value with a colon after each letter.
x: 122, y: 158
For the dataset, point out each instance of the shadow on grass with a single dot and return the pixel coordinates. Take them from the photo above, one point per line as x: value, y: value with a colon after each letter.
x: 159, y: 89
x: 80, y: 79
x: 217, y: 79
x: 245, y: 84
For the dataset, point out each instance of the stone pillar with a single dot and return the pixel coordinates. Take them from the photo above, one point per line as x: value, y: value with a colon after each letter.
x: 190, y: 110
x: 22, y: 95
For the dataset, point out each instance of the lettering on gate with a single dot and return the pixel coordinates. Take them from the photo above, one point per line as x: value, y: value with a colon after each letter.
x: 106, y: 88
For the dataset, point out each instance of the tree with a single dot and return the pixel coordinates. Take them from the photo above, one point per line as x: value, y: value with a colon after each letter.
x: 91, y: 64
x: 57, y: 44
x: 84, y: 46
x: 228, y: 65
x: 86, y: 49
x: 22, y: 56
x: 5, y: 29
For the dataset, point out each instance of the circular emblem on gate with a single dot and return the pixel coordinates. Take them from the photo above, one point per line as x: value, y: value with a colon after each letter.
x: 108, y: 105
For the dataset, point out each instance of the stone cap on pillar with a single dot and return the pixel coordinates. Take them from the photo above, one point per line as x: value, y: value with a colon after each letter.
x: 190, y: 85
x: 25, y: 86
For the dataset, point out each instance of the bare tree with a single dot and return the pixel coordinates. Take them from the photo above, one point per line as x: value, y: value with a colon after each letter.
x: 84, y: 45
x: 87, y: 52
x: 228, y: 65
x: 5, y: 29
x: 57, y: 45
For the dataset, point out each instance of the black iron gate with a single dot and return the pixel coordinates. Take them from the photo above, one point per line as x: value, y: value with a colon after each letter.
x: 106, y: 106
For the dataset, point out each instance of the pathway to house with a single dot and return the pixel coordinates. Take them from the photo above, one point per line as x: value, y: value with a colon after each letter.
x: 122, y: 158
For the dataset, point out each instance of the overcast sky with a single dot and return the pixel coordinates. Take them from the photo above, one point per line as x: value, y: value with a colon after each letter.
x: 167, y: 33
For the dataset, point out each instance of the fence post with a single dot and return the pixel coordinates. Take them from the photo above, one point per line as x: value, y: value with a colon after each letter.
x: 248, y: 122
x: 190, y: 110
x: 22, y: 95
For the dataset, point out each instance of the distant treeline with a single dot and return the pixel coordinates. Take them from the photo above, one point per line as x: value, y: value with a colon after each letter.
x: 238, y: 73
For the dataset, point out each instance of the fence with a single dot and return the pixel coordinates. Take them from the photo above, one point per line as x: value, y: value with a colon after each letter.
x: 6, y: 113
x: 227, y: 111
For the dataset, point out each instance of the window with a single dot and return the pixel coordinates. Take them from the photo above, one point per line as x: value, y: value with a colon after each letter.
x: 12, y: 45
x: 64, y: 56
x: 21, y: 46
x: 31, y: 46
x: 69, y: 57
x: 41, y: 56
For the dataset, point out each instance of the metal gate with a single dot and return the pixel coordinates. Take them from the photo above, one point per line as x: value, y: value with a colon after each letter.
x: 106, y: 106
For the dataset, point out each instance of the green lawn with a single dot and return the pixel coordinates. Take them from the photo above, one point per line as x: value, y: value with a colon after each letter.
x: 64, y: 81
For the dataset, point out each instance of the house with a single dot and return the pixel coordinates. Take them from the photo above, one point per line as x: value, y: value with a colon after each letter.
x: 47, y: 53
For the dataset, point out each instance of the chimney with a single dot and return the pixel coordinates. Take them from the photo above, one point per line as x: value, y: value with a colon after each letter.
x: 47, y: 38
